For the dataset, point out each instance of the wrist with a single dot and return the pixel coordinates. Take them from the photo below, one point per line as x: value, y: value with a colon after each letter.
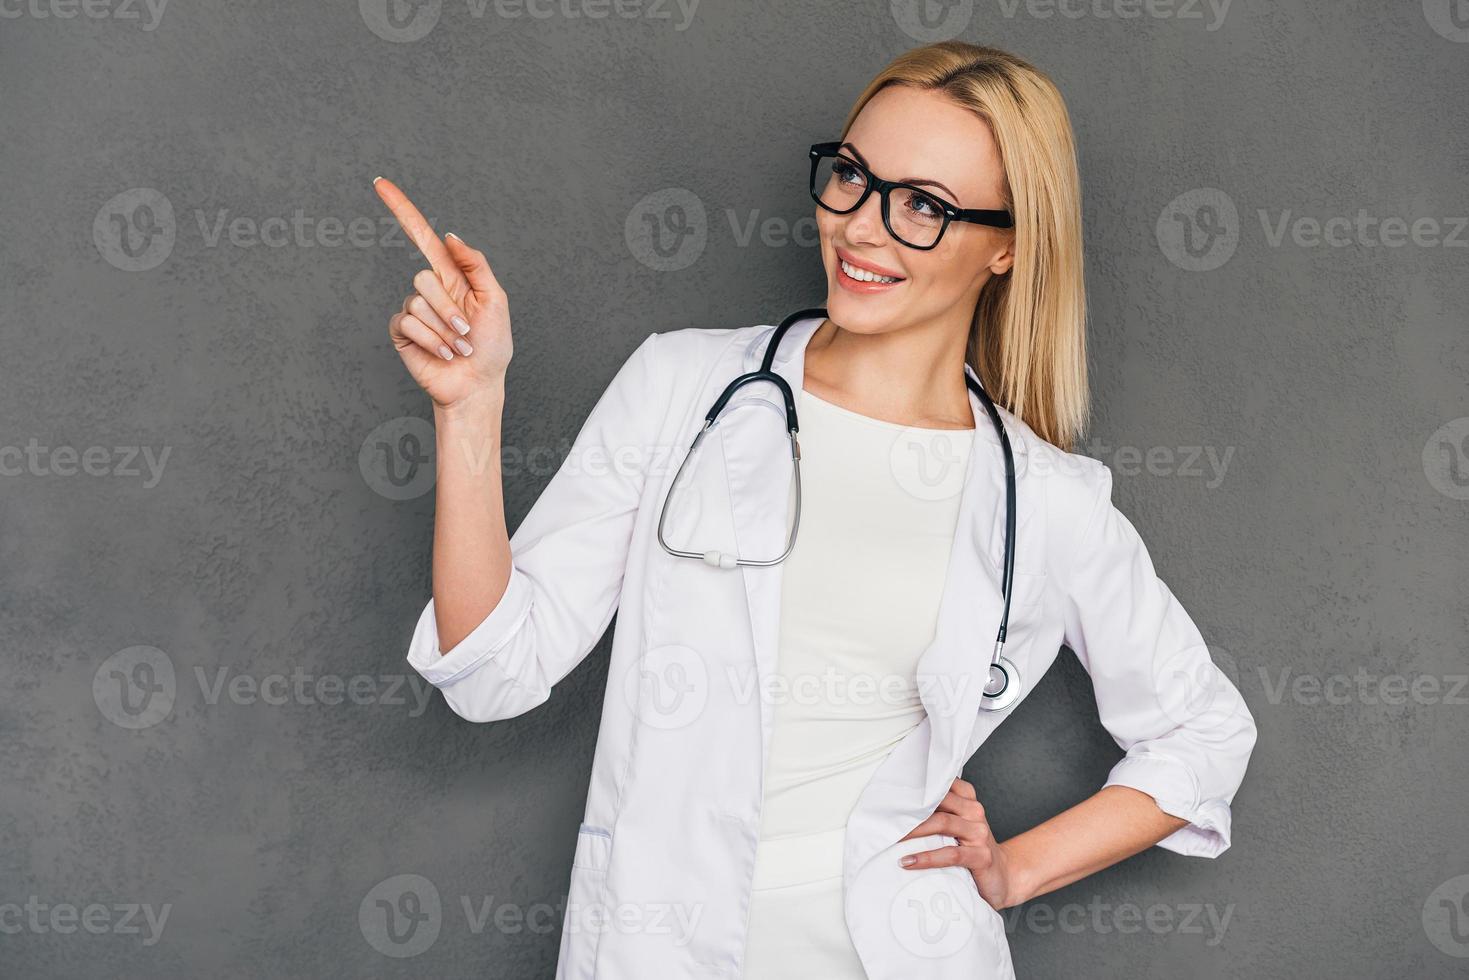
x: 483, y: 405
x: 1020, y: 886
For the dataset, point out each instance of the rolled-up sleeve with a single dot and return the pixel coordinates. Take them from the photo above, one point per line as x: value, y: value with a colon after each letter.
x: 1182, y: 723
x: 569, y: 556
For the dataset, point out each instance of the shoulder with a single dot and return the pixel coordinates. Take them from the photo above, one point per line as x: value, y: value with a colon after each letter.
x: 1072, y: 487
x: 688, y: 360
x: 700, y: 346
x: 670, y: 373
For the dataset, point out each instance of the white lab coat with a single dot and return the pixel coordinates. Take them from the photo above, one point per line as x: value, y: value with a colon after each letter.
x: 661, y: 876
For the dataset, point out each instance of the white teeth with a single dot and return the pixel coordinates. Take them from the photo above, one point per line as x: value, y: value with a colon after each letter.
x: 865, y: 276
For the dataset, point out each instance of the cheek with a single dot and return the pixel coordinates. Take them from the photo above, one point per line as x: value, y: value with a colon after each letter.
x: 826, y: 228
x: 951, y: 269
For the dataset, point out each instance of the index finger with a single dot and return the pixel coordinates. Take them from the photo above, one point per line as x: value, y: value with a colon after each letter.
x: 421, y: 232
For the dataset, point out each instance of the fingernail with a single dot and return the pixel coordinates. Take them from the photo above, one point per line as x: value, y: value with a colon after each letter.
x: 453, y: 236
x: 463, y: 347
x: 446, y: 353
x: 376, y: 179
x: 908, y: 861
x: 460, y: 324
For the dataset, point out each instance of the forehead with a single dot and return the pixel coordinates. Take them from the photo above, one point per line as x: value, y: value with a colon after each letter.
x: 921, y: 134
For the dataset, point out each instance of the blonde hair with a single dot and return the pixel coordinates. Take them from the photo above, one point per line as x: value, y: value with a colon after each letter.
x: 1028, y: 338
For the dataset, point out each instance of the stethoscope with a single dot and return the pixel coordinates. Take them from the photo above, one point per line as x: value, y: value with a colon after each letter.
x: 1002, y: 687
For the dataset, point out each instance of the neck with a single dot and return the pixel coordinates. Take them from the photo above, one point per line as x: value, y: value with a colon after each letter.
x: 913, y: 376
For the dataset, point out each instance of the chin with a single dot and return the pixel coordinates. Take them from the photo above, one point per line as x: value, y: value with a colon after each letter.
x: 861, y: 314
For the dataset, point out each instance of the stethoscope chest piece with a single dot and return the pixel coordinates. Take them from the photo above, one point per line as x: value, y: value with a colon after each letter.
x: 1002, y: 686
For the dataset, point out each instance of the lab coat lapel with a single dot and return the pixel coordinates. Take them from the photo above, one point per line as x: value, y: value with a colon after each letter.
x: 912, y: 781
x: 757, y: 459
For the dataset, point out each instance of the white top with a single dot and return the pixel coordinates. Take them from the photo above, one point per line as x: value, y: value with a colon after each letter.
x: 859, y: 602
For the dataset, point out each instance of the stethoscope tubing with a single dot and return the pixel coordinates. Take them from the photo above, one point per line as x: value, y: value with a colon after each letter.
x: 1002, y: 687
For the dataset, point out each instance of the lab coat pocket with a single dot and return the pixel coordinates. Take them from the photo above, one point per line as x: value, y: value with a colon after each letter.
x: 938, y: 914
x: 586, y: 904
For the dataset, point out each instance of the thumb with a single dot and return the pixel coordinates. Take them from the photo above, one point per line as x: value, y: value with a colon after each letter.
x: 472, y: 263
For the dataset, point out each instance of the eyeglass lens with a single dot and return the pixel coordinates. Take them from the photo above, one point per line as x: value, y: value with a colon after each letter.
x: 913, y: 217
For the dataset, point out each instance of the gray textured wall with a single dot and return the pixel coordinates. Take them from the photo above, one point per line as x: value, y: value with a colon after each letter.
x: 215, y: 760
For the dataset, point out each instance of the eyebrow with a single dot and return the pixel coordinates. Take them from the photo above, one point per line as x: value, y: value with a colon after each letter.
x: 906, y: 180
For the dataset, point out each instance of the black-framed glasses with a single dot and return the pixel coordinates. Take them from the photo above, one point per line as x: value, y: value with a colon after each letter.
x: 841, y: 185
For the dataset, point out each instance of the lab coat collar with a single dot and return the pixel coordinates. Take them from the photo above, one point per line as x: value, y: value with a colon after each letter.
x: 953, y: 668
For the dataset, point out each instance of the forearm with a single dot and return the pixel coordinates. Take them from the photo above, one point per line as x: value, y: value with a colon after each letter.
x: 1113, y: 824
x: 471, y: 556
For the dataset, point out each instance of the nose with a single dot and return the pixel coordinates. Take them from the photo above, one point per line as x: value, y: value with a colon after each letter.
x: 865, y: 224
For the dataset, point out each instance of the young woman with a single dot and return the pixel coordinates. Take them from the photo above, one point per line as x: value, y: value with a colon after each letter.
x: 776, y: 787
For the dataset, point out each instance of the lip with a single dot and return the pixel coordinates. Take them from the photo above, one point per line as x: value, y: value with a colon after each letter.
x: 851, y: 285
x: 846, y: 256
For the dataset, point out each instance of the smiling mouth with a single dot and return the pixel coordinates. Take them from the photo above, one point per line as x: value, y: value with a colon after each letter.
x: 862, y: 275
